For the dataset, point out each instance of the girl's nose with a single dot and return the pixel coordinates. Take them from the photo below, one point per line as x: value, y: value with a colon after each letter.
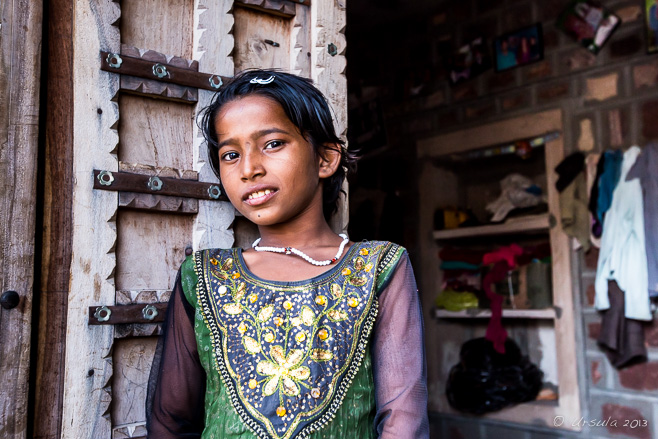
x: 252, y: 165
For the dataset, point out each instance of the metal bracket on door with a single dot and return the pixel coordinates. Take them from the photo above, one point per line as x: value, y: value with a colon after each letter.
x: 123, y: 314
x: 159, y: 71
x: 145, y: 184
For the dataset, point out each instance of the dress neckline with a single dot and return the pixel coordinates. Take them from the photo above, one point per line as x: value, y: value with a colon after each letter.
x: 335, y: 269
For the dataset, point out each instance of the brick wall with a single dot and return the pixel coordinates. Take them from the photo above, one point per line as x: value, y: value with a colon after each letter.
x: 609, y: 101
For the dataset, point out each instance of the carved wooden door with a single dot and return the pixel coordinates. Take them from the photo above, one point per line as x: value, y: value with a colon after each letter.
x: 20, y: 60
x: 144, y: 194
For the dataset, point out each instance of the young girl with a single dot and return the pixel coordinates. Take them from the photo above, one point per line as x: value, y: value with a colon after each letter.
x: 306, y: 334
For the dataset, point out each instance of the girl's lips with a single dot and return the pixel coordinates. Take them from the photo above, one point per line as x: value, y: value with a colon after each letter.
x: 256, y: 201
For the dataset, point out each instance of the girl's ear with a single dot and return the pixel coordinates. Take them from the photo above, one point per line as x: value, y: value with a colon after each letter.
x: 329, y: 159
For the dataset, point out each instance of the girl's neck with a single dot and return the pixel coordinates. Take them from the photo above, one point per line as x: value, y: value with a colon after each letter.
x: 299, y: 235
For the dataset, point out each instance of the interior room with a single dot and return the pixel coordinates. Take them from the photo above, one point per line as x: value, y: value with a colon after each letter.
x: 447, y: 130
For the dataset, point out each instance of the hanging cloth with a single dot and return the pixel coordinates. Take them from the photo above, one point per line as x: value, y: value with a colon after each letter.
x: 623, y: 257
x: 646, y: 169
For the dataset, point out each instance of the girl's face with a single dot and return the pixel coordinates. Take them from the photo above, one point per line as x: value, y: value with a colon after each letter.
x: 269, y: 171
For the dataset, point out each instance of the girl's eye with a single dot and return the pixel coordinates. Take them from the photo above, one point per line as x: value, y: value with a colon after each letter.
x: 230, y: 156
x: 273, y: 144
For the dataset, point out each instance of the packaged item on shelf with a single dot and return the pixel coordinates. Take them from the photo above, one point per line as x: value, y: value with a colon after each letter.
x: 486, y: 381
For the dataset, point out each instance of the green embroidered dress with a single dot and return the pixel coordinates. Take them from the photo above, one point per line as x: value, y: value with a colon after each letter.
x: 243, y: 357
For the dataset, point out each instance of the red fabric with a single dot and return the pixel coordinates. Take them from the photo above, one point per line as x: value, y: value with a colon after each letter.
x: 507, y: 254
x: 495, y: 331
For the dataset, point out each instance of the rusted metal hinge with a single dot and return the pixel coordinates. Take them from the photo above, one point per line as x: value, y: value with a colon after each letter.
x: 128, y: 182
x: 159, y: 71
x: 121, y: 314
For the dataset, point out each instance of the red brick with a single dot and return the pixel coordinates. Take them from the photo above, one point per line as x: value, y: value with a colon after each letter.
x: 628, y: 421
x: 551, y: 92
x: 591, y: 293
x: 596, y: 373
x: 480, y: 111
x: 649, y: 118
x: 593, y: 330
x: 577, y: 59
x: 501, y: 80
x: 513, y: 102
x: 592, y: 258
x: 464, y: 91
x: 517, y: 17
x: 645, y: 75
x: 550, y: 38
x: 627, y: 46
x: 479, y: 28
x: 651, y: 334
x: 643, y: 376
x: 538, y: 71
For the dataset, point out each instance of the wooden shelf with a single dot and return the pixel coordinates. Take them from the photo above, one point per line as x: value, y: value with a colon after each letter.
x: 527, y: 224
x: 538, y: 314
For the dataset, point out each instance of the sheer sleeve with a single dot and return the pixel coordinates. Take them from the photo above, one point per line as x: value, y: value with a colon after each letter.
x: 399, y: 359
x: 175, y: 401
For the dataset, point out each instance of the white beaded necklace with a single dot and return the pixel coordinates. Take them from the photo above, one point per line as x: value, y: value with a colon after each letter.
x: 307, y: 258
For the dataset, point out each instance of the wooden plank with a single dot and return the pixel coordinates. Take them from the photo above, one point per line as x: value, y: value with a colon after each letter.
x: 88, y: 355
x: 150, y: 249
x: 261, y: 40
x: 528, y: 224
x: 144, y: 184
x: 156, y: 132
x: 159, y: 69
x: 132, y: 360
x: 20, y: 62
x: 57, y: 211
x: 165, y: 27
x: 546, y: 314
x: 484, y: 135
x: 120, y: 314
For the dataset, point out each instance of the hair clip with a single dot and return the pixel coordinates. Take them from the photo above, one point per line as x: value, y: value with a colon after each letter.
x: 262, y: 81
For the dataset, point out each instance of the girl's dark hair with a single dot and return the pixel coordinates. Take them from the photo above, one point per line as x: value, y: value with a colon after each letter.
x: 304, y: 105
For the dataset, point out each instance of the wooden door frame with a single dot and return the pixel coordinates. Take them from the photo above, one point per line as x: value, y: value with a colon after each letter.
x: 56, y: 250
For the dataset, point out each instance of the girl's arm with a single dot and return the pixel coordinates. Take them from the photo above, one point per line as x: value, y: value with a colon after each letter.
x: 399, y: 359
x: 175, y: 402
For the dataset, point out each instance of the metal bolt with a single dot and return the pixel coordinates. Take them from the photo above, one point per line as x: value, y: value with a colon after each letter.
x: 149, y: 312
x: 105, y: 178
x: 160, y: 71
x: 214, y: 192
x: 332, y: 49
x: 215, y: 81
x: 10, y: 299
x: 103, y: 313
x: 155, y: 184
x: 114, y: 60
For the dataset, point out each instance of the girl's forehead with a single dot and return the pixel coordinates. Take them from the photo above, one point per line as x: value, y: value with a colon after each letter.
x: 252, y: 109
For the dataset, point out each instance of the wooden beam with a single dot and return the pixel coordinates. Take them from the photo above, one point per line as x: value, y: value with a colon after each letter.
x: 166, y: 72
x: 56, y: 251
x: 143, y: 184
x: 20, y: 62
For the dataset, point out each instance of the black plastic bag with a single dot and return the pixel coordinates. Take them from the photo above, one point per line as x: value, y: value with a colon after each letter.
x: 486, y: 381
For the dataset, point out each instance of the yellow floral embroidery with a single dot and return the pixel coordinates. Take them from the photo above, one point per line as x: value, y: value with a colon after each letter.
x: 284, y: 372
x: 363, y: 252
x: 346, y: 272
x: 321, y: 300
